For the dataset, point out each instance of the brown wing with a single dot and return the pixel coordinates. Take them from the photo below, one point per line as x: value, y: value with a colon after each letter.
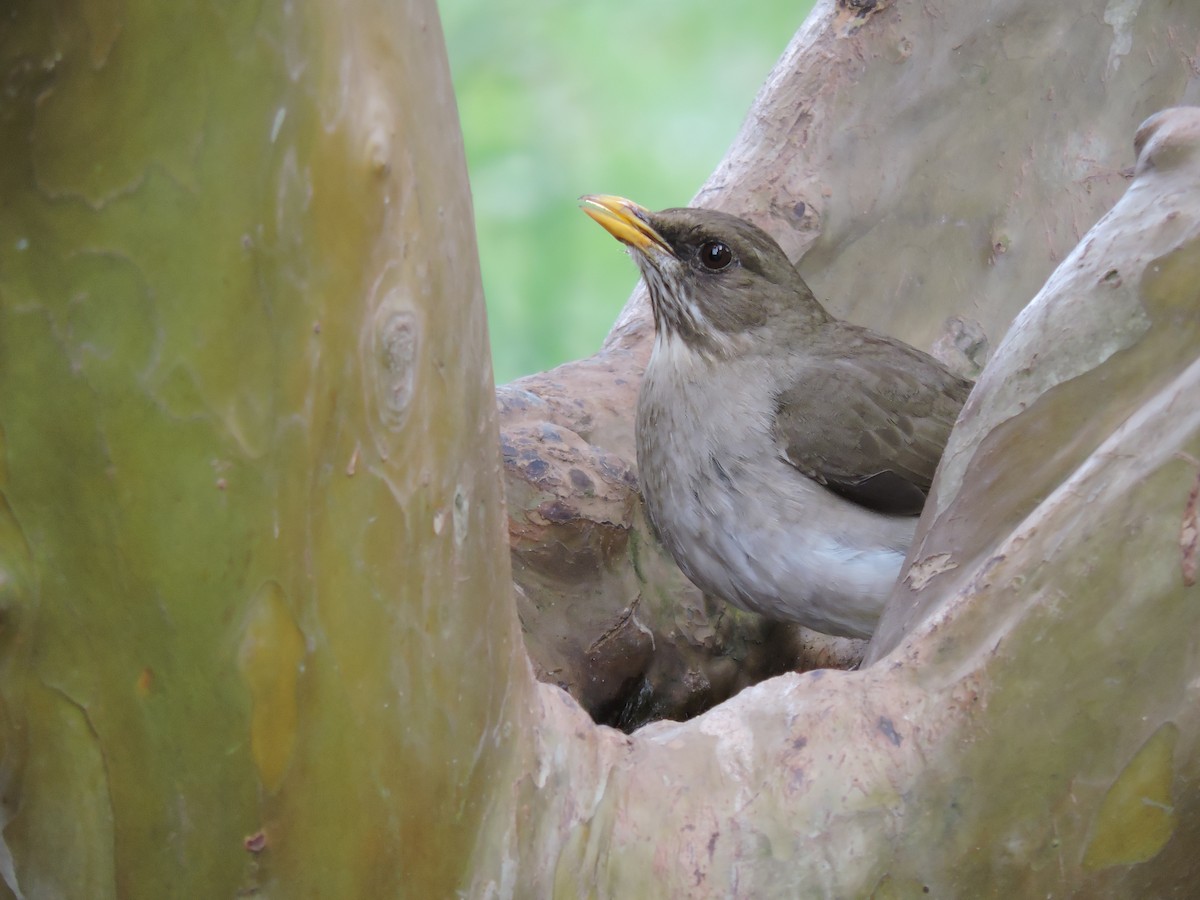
x: 870, y: 424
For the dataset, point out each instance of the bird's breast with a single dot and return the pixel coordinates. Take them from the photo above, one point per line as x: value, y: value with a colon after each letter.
x: 742, y: 523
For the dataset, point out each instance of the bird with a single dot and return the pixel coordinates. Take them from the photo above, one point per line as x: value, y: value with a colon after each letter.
x: 783, y: 454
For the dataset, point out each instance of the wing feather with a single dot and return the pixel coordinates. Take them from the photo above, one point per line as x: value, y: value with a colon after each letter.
x: 871, y: 423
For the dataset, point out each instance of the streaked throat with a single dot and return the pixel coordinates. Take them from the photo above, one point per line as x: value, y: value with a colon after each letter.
x: 677, y: 317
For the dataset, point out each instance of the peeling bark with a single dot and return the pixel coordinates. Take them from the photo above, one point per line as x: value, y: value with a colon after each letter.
x: 1027, y: 722
x: 929, y: 166
x: 253, y: 572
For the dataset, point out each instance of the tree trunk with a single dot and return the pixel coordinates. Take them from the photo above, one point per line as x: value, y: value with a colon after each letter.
x: 929, y: 166
x: 256, y: 634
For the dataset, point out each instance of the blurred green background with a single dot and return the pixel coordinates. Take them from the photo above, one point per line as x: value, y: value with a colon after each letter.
x: 559, y: 99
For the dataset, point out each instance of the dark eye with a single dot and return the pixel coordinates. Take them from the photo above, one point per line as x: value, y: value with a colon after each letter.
x: 715, y: 255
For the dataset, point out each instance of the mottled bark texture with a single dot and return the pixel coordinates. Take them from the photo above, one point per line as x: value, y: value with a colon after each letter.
x: 1027, y: 724
x: 256, y: 635
x: 928, y: 165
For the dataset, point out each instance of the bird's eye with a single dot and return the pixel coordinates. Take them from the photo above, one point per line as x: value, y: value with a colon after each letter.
x: 715, y: 255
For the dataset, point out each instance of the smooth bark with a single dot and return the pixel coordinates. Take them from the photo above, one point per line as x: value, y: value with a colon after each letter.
x: 256, y: 629
x: 257, y: 634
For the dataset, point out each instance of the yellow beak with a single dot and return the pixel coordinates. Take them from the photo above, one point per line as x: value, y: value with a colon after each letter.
x: 625, y: 220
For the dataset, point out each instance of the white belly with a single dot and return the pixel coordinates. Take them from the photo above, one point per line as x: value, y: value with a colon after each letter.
x: 751, y: 529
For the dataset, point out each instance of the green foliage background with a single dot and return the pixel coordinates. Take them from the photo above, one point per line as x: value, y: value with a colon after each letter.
x: 559, y: 99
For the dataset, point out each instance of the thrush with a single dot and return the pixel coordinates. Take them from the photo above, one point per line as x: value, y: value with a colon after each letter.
x: 783, y: 454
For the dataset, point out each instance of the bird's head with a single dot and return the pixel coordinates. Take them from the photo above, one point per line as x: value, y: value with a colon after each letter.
x: 715, y: 280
